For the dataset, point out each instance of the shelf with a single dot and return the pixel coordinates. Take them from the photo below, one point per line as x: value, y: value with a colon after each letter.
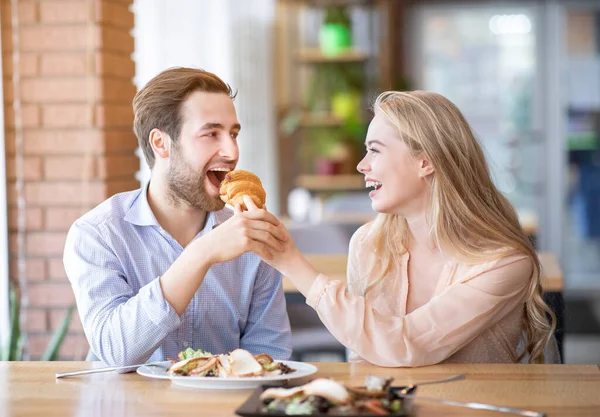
x: 331, y: 182
x: 322, y: 3
x: 320, y: 120
x: 315, y: 56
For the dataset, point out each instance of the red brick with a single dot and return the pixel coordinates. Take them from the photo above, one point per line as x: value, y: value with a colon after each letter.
x: 64, y: 11
x: 28, y: 12
x: 65, y: 193
x: 46, y: 243
x: 115, y: 14
x: 114, y: 115
x: 30, y: 115
x: 37, y: 343
x: 35, y: 268
x: 118, y: 166
x: 34, y: 219
x: 121, y: 140
x: 50, y: 294
x: 58, y: 90
x: 9, y: 93
x: 13, y: 243
x: 118, y: 186
x: 56, y: 38
x: 62, y: 142
x: 7, y: 40
x: 28, y: 65
x: 64, y: 64
x: 9, y: 142
x: 74, y: 346
x: 11, y: 193
x: 60, y: 218
x: 36, y: 320
x: 31, y: 168
x: 115, y: 39
x: 56, y: 269
x: 115, y: 90
x: 70, y: 167
x: 77, y: 141
x: 6, y: 11
x: 57, y: 316
x: 67, y: 115
x: 115, y: 64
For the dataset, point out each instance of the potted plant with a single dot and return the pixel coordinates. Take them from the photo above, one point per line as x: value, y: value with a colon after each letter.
x: 13, y: 350
x: 336, y: 33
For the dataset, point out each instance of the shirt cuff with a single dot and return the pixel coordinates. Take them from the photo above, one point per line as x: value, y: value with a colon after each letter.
x: 158, y: 310
x: 316, y: 291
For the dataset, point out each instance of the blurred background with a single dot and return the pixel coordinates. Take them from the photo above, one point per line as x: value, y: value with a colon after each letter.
x: 526, y: 74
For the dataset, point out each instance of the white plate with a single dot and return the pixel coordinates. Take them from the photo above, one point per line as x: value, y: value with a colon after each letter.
x: 211, y: 382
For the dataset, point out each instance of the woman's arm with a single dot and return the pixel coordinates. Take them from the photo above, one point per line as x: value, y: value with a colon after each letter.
x: 432, y: 332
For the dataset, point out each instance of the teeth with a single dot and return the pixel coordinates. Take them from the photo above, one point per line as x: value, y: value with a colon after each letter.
x: 220, y: 169
x: 375, y: 184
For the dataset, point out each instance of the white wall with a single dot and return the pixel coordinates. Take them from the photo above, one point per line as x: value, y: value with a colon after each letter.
x: 239, y: 51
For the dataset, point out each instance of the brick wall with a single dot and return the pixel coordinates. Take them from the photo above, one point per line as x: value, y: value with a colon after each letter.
x: 75, y: 87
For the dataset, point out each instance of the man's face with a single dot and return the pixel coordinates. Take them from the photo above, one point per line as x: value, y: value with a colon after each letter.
x: 207, y: 148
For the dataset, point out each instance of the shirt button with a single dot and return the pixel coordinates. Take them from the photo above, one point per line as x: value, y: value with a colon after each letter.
x: 185, y: 344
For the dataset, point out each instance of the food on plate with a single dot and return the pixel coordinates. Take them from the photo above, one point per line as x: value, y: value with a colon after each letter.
x: 327, y: 396
x: 238, y: 183
x: 237, y: 364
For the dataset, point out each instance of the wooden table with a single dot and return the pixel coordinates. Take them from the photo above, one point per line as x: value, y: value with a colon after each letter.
x: 29, y: 389
x: 334, y: 266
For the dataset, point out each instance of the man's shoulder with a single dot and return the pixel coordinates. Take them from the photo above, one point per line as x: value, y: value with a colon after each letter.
x: 112, y: 210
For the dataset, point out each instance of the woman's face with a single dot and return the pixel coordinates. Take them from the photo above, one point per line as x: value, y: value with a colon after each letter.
x: 398, y: 179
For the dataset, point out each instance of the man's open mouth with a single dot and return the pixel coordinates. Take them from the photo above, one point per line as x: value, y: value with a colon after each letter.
x: 217, y: 175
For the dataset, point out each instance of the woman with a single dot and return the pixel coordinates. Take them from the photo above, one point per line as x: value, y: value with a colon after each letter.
x: 444, y: 273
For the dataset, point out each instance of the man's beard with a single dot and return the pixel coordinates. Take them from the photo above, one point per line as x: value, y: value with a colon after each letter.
x: 186, y: 186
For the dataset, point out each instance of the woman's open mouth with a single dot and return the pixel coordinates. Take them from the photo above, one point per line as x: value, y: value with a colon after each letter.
x: 373, y: 184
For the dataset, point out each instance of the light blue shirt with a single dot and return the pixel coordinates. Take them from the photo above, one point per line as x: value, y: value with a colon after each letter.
x: 114, y: 256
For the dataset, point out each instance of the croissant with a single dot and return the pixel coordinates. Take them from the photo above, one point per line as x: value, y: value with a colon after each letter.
x: 239, y: 183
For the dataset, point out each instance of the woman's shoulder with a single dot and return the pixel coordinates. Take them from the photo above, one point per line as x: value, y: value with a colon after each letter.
x: 503, y: 261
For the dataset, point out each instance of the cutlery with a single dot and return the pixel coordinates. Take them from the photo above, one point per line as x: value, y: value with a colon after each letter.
x: 477, y: 406
x: 106, y: 369
x: 458, y: 377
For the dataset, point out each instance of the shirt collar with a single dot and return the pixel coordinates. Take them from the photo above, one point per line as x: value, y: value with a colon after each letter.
x: 139, y: 212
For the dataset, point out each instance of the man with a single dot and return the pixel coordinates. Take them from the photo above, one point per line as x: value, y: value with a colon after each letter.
x: 151, y: 271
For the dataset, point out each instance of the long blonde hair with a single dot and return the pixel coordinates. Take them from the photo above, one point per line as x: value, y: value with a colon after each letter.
x: 469, y: 218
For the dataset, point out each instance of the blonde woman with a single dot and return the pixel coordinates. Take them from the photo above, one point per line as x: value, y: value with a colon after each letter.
x: 445, y: 272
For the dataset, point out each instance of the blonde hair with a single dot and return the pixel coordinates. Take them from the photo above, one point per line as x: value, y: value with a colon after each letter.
x: 469, y: 218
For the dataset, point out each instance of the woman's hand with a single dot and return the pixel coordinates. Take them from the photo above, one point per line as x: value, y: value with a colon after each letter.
x: 288, y: 261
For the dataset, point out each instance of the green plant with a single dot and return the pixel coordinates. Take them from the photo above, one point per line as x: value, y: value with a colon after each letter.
x: 338, y: 15
x: 13, y: 350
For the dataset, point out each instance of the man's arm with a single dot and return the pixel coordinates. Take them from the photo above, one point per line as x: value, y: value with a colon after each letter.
x: 268, y: 327
x: 122, y: 328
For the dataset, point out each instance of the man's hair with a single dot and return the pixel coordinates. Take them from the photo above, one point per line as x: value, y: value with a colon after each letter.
x: 158, y: 105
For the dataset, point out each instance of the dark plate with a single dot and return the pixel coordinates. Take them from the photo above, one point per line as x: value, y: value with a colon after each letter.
x: 252, y: 407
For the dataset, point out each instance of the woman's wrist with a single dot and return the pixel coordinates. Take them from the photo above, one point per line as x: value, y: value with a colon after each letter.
x: 301, y: 273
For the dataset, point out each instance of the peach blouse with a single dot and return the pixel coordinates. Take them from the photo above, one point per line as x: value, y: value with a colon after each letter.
x: 475, y: 316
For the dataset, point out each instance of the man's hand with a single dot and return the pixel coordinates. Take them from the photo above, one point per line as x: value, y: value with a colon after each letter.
x: 255, y: 231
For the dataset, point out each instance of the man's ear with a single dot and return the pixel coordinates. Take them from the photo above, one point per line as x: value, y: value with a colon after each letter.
x: 425, y: 167
x: 160, y: 142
